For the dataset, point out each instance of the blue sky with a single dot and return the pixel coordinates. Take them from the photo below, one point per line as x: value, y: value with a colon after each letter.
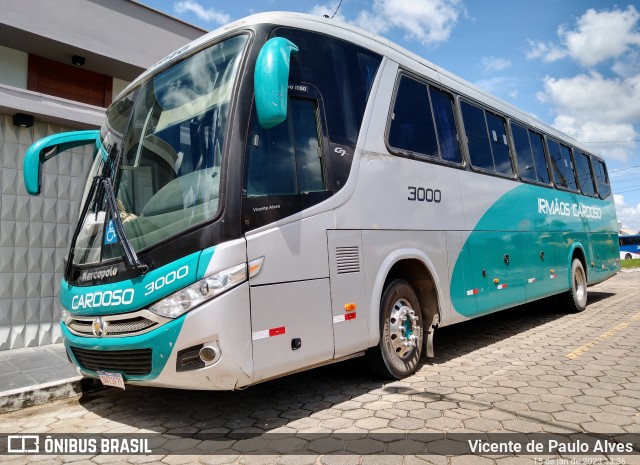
x: 574, y: 64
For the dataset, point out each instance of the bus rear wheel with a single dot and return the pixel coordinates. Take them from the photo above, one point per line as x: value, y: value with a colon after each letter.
x: 575, y: 299
x: 401, y: 333
x: 627, y: 256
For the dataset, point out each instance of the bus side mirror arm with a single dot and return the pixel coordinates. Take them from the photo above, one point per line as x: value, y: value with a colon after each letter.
x: 271, y: 81
x: 47, y: 148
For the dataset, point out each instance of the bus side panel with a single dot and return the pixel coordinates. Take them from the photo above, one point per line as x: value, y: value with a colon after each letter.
x: 348, y: 299
x: 541, y: 264
x: 292, y: 252
x: 467, y: 302
x: 383, y: 249
x: 290, y: 296
x: 474, y: 266
x: 282, y: 314
x: 571, y: 241
x: 605, y: 256
x: 505, y: 269
x: 491, y: 273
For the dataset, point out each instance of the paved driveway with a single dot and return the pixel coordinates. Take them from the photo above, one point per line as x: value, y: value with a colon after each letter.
x: 527, y: 370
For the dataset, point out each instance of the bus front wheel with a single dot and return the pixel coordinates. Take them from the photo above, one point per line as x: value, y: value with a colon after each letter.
x: 401, y: 333
x: 627, y: 256
x: 575, y: 299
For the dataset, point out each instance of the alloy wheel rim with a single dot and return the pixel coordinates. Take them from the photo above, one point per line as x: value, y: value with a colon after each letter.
x: 404, y: 329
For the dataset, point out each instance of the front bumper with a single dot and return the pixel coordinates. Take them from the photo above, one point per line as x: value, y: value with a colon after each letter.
x: 225, y: 320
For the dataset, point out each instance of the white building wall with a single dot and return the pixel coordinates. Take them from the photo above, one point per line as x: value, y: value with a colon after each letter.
x: 118, y: 86
x: 119, y: 38
x: 13, y: 67
x: 34, y: 235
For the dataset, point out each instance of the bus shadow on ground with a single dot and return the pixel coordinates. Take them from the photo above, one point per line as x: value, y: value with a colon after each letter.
x: 455, y: 341
x: 293, y: 400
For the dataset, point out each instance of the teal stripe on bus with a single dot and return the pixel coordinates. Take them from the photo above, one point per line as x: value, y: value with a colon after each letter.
x: 161, y: 341
x: 133, y: 294
x: 524, y: 244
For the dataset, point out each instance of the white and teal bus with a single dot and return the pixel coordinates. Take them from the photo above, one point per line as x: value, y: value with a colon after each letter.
x: 629, y: 246
x: 288, y: 191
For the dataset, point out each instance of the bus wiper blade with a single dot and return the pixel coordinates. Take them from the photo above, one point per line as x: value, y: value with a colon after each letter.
x: 85, y: 210
x: 129, y: 253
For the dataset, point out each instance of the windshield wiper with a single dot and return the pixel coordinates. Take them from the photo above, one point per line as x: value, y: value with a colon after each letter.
x: 112, y: 208
x: 102, y: 184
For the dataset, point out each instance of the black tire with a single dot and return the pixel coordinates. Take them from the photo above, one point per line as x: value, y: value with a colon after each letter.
x: 395, y: 357
x: 627, y: 256
x: 575, y: 299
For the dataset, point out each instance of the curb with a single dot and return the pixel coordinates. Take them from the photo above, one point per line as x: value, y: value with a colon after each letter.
x: 18, y: 399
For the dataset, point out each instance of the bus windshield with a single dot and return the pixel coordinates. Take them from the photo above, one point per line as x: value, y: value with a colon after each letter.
x: 168, y: 137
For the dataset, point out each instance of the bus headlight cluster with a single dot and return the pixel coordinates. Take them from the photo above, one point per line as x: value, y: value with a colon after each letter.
x: 206, y: 289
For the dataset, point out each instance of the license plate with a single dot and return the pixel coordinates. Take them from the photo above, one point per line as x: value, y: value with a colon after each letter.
x: 111, y: 379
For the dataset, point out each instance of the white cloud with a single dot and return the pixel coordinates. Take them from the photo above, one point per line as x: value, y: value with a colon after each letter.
x: 328, y: 10
x: 592, y: 94
x: 491, y: 64
x: 627, y: 214
x: 628, y: 67
x: 546, y: 51
x: 602, y: 35
x: 592, y: 108
x: 589, y: 106
x: 205, y: 14
x: 598, y: 36
x: 430, y: 22
x: 371, y: 22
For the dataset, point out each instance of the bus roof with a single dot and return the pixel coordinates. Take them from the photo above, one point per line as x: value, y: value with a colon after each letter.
x: 378, y: 44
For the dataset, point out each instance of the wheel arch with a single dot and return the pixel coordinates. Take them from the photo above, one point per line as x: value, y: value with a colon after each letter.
x: 417, y: 269
x: 577, y: 251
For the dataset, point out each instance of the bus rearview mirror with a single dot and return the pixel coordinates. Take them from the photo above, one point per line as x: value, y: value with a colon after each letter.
x: 271, y: 81
x: 49, y: 147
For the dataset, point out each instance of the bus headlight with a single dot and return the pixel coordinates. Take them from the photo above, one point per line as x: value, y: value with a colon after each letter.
x: 201, y: 291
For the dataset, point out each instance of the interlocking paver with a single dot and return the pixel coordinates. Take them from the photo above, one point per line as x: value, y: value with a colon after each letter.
x: 490, y: 375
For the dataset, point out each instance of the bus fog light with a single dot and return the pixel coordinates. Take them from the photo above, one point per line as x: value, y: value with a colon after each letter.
x: 210, y: 353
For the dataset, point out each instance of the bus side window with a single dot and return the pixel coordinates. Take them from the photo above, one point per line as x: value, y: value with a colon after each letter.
x: 499, y: 143
x: 568, y: 167
x: 286, y: 159
x: 562, y: 166
x: 542, y: 168
x: 412, y: 127
x: 446, y: 125
x: 271, y: 160
x: 532, y: 164
x: 423, y: 123
x: 524, y: 154
x: 585, y: 177
x: 487, y: 139
x: 475, y: 127
x: 602, y: 179
x: 307, y: 145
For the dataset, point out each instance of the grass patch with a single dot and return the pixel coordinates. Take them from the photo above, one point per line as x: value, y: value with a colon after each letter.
x: 633, y: 263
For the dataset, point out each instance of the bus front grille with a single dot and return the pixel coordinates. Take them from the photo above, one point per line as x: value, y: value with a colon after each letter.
x: 114, y: 327
x: 129, y: 362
